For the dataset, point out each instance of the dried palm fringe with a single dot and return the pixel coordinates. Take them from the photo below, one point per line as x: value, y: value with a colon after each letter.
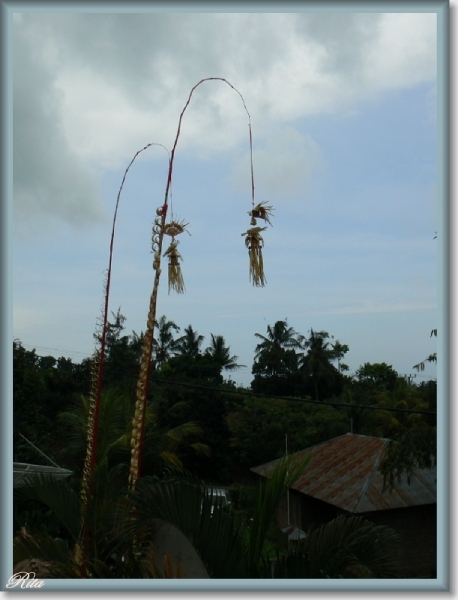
x: 257, y: 276
x: 176, y: 281
x: 254, y: 243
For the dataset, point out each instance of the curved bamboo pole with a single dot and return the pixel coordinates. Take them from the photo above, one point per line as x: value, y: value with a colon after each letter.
x: 138, y: 420
x: 96, y: 385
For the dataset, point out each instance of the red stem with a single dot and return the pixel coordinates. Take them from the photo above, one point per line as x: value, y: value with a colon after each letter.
x: 104, y: 336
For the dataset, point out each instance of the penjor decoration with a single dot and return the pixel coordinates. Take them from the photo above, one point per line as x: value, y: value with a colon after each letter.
x: 174, y: 228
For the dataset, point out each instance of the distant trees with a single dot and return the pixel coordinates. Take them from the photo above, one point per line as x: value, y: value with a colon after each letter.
x: 258, y: 427
x: 42, y: 387
x: 189, y: 397
x: 188, y: 344
x: 317, y: 367
x: 377, y: 377
x: 164, y: 340
x: 289, y: 364
x: 221, y: 354
x: 276, y: 364
x: 432, y: 358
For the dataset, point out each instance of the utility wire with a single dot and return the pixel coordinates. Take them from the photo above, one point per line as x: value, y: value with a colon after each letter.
x: 289, y: 398
x: 259, y: 395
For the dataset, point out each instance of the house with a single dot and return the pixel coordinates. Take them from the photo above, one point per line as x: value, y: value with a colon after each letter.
x: 343, y: 478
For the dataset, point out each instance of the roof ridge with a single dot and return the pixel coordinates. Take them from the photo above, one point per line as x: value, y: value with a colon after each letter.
x: 372, y: 475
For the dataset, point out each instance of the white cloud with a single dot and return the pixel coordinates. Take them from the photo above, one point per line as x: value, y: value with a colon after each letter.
x: 404, y: 51
x: 283, y: 168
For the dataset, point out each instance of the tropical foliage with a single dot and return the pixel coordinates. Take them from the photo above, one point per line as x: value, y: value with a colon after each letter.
x: 345, y: 548
x: 122, y: 526
x: 205, y: 429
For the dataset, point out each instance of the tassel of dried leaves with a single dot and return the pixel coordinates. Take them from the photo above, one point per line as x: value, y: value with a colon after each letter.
x: 175, y: 276
x: 254, y: 243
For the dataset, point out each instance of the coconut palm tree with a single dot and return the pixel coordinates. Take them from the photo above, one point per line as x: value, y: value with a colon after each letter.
x: 162, y: 445
x: 221, y: 354
x: 280, y: 336
x: 338, y: 352
x: 316, y: 363
x: 165, y: 340
x: 188, y: 344
x: 276, y: 360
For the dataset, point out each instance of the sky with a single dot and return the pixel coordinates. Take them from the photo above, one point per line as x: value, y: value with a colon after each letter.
x: 343, y: 116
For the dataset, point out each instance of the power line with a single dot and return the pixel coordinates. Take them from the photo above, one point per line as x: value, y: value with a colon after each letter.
x: 292, y: 398
x: 271, y: 396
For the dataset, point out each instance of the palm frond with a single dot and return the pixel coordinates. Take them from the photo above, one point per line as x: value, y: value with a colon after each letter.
x: 270, y: 492
x: 201, y: 449
x: 182, y: 503
x: 347, y: 547
x: 47, y: 557
x: 54, y: 493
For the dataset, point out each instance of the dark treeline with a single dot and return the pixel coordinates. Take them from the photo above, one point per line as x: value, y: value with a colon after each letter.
x: 215, y: 434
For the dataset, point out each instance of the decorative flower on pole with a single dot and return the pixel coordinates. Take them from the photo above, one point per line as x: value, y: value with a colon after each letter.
x: 261, y: 211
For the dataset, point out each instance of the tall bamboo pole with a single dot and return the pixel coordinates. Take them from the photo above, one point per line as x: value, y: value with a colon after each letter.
x: 95, y: 393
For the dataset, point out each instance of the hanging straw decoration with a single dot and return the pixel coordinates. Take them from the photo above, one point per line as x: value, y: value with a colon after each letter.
x: 175, y: 276
x: 253, y: 239
x: 254, y: 243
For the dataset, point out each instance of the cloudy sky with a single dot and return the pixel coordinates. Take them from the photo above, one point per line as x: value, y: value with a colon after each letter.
x: 343, y: 114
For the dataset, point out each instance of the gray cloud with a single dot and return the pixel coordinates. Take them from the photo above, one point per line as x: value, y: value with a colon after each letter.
x: 91, y: 89
x: 50, y: 181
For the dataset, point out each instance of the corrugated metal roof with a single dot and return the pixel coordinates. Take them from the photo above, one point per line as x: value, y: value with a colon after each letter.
x: 344, y: 472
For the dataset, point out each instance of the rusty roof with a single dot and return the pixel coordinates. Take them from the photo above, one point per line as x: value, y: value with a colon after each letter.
x: 344, y: 472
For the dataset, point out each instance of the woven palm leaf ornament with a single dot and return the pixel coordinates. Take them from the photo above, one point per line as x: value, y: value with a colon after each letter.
x: 173, y: 229
x: 253, y: 239
x: 255, y: 242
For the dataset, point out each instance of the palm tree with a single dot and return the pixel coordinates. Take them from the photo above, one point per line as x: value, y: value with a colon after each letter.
x: 188, y: 344
x: 275, y: 356
x: 346, y: 547
x: 123, y: 525
x: 338, y: 351
x: 109, y: 553
x: 165, y: 341
x: 162, y: 446
x: 221, y: 354
x: 432, y: 358
x: 316, y: 363
x: 278, y: 336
